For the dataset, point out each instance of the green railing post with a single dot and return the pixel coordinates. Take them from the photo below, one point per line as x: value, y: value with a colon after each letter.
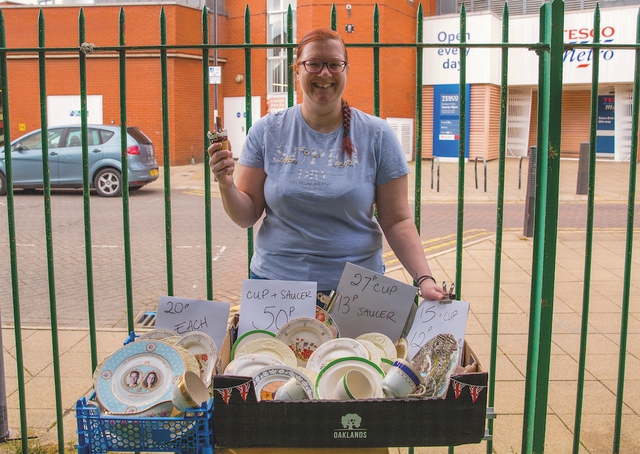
x: 86, y: 49
x: 122, y: 60
x: 417, y: 205
x: 55, y: 349
x: 497, y: 269
x: 588, y: 254
x: 628, y: 259
x: 13, y: 253
x: 205, y: 155
x: 376, y: 61
x: 249, y: 121
x: 291, y: 83
x: 462, y: 144
x: 166, y: 151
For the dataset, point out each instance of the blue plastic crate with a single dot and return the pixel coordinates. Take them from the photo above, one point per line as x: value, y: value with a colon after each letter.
x: 190, y: 433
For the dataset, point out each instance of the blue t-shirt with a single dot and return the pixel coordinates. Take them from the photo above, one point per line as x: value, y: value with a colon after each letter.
x: 320, y: 203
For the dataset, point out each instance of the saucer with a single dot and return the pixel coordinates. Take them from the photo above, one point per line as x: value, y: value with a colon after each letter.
x: 386, y: 346
x: 375, y: 355
x: 245, y: 365
x: 304, y: 335
x: 250, y: 335
x: 138, y: 376
x: 435, y: 361
x: 324, y: 317
x: 269, y: 346
x: 268, y: 380
x: 333, y: 349
x: 157, y: 334
x: 333, y: 372
x: 205, y: 351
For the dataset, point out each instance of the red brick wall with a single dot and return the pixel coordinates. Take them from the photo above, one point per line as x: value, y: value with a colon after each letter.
x: 185, y: 80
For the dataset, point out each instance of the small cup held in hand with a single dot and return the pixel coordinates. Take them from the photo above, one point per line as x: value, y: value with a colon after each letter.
x: 354, y: 385
x: 403, y: 380
x: 190, y: 392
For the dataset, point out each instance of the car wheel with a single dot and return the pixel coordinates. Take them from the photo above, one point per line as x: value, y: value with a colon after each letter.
x: 108, y: 182
x: 3, y: 184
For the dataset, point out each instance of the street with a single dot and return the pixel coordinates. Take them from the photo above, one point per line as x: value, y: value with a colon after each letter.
x: 149, y: 257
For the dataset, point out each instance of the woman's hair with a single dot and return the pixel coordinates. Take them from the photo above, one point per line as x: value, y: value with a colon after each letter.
x: 322, y: 34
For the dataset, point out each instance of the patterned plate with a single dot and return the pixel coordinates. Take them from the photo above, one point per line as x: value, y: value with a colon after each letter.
x: 138, y: 376
x: 304, y: 335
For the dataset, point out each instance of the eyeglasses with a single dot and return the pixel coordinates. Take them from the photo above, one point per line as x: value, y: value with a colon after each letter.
x: 315, y: 66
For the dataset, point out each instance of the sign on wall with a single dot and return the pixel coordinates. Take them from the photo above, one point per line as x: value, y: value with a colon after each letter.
x: 65, y: 110
x: 446, y: 120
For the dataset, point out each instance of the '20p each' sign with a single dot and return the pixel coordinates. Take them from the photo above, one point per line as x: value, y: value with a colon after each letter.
x: 371, y: 302
x: 269, y: 304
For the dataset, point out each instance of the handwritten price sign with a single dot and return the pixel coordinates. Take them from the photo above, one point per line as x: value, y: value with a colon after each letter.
x: 184, y: 315
x: 432, y: 318
x: 371, y: 302
x: 269, y: 304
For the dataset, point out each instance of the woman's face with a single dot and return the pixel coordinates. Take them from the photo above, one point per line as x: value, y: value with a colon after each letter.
x: 323, y: 88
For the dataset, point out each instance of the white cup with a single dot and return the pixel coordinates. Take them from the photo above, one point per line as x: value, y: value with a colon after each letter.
x: 354, y: 385
x: 189, y: 392
x: 291, y: 390
x: 403, y: 380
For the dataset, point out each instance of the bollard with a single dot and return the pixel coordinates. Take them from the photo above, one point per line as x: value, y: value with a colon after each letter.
x: 583, y: 169
x: 4, y: 423
x: 531, y: 194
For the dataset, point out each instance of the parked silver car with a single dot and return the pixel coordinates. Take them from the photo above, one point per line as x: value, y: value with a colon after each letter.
x: 65, y: 159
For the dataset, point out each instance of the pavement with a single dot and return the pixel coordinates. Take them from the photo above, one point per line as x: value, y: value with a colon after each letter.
x: 605, y: 309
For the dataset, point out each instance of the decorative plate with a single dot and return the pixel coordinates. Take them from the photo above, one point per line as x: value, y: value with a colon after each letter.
x: 435, y: 361
x: 388, y: 349
x: 138, y: 376
x: 268, y: 380
x: 304, y: 335
x: 205, y: 351
x: 333, y: 372
x: 267, y: 346
x: 157, y: 334
x: 333, y: 349
x: 245, y: 365
x: 324, y: 317
x: 375, y: 354
x: 250, y: 335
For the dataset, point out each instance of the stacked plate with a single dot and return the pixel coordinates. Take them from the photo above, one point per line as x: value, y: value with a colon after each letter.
x: 140, y: 377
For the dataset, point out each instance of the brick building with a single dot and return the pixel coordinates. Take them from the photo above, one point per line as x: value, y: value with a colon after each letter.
x: 185, y: 66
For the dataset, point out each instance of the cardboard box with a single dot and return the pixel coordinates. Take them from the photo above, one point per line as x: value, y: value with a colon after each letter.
x: 239, y: 420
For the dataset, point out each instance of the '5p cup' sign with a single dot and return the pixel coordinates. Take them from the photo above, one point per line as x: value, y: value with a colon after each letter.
x: 269, y: 304
x: 432, y: 318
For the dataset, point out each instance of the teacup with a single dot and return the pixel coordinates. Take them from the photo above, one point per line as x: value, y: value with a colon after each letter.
x: 403, y: 380
x: 291, y: 390
x: 189, y: 392
x: 354, y: 385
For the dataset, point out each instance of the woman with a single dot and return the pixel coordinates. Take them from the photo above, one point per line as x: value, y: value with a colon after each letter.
x: 318, y: 171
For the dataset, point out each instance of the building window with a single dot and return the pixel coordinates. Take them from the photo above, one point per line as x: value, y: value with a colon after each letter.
x: 277, y: 34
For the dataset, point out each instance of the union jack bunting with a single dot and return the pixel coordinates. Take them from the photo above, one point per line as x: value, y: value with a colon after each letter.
x: 474, y: 390
x: 226, y: 394
x: 458, y: 387
x: 244, y: 390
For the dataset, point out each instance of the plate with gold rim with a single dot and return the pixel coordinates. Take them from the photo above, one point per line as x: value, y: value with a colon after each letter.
x: 269, y: 346
x: 205, y: 351
x: 304, y: 335
x: 334, y: 349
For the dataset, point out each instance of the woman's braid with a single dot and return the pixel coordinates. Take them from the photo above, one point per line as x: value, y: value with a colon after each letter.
x: 347, y: 144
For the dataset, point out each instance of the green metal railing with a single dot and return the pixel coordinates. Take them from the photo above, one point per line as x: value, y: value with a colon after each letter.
x: 550, y: 49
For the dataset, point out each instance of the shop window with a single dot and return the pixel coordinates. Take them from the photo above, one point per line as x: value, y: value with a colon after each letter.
x: 277, y: 34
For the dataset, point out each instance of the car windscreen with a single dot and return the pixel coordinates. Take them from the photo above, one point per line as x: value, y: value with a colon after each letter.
x: 139, y: 136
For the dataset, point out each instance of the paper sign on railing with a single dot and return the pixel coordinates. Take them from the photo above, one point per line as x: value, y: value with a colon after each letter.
x: 269, y: 304
x: 184, y: 315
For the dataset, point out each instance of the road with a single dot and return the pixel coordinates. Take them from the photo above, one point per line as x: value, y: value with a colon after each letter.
x: 149, y: 257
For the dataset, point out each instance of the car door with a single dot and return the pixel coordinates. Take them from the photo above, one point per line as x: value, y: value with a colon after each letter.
x: 69, y: 162
x: 26, y: 158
